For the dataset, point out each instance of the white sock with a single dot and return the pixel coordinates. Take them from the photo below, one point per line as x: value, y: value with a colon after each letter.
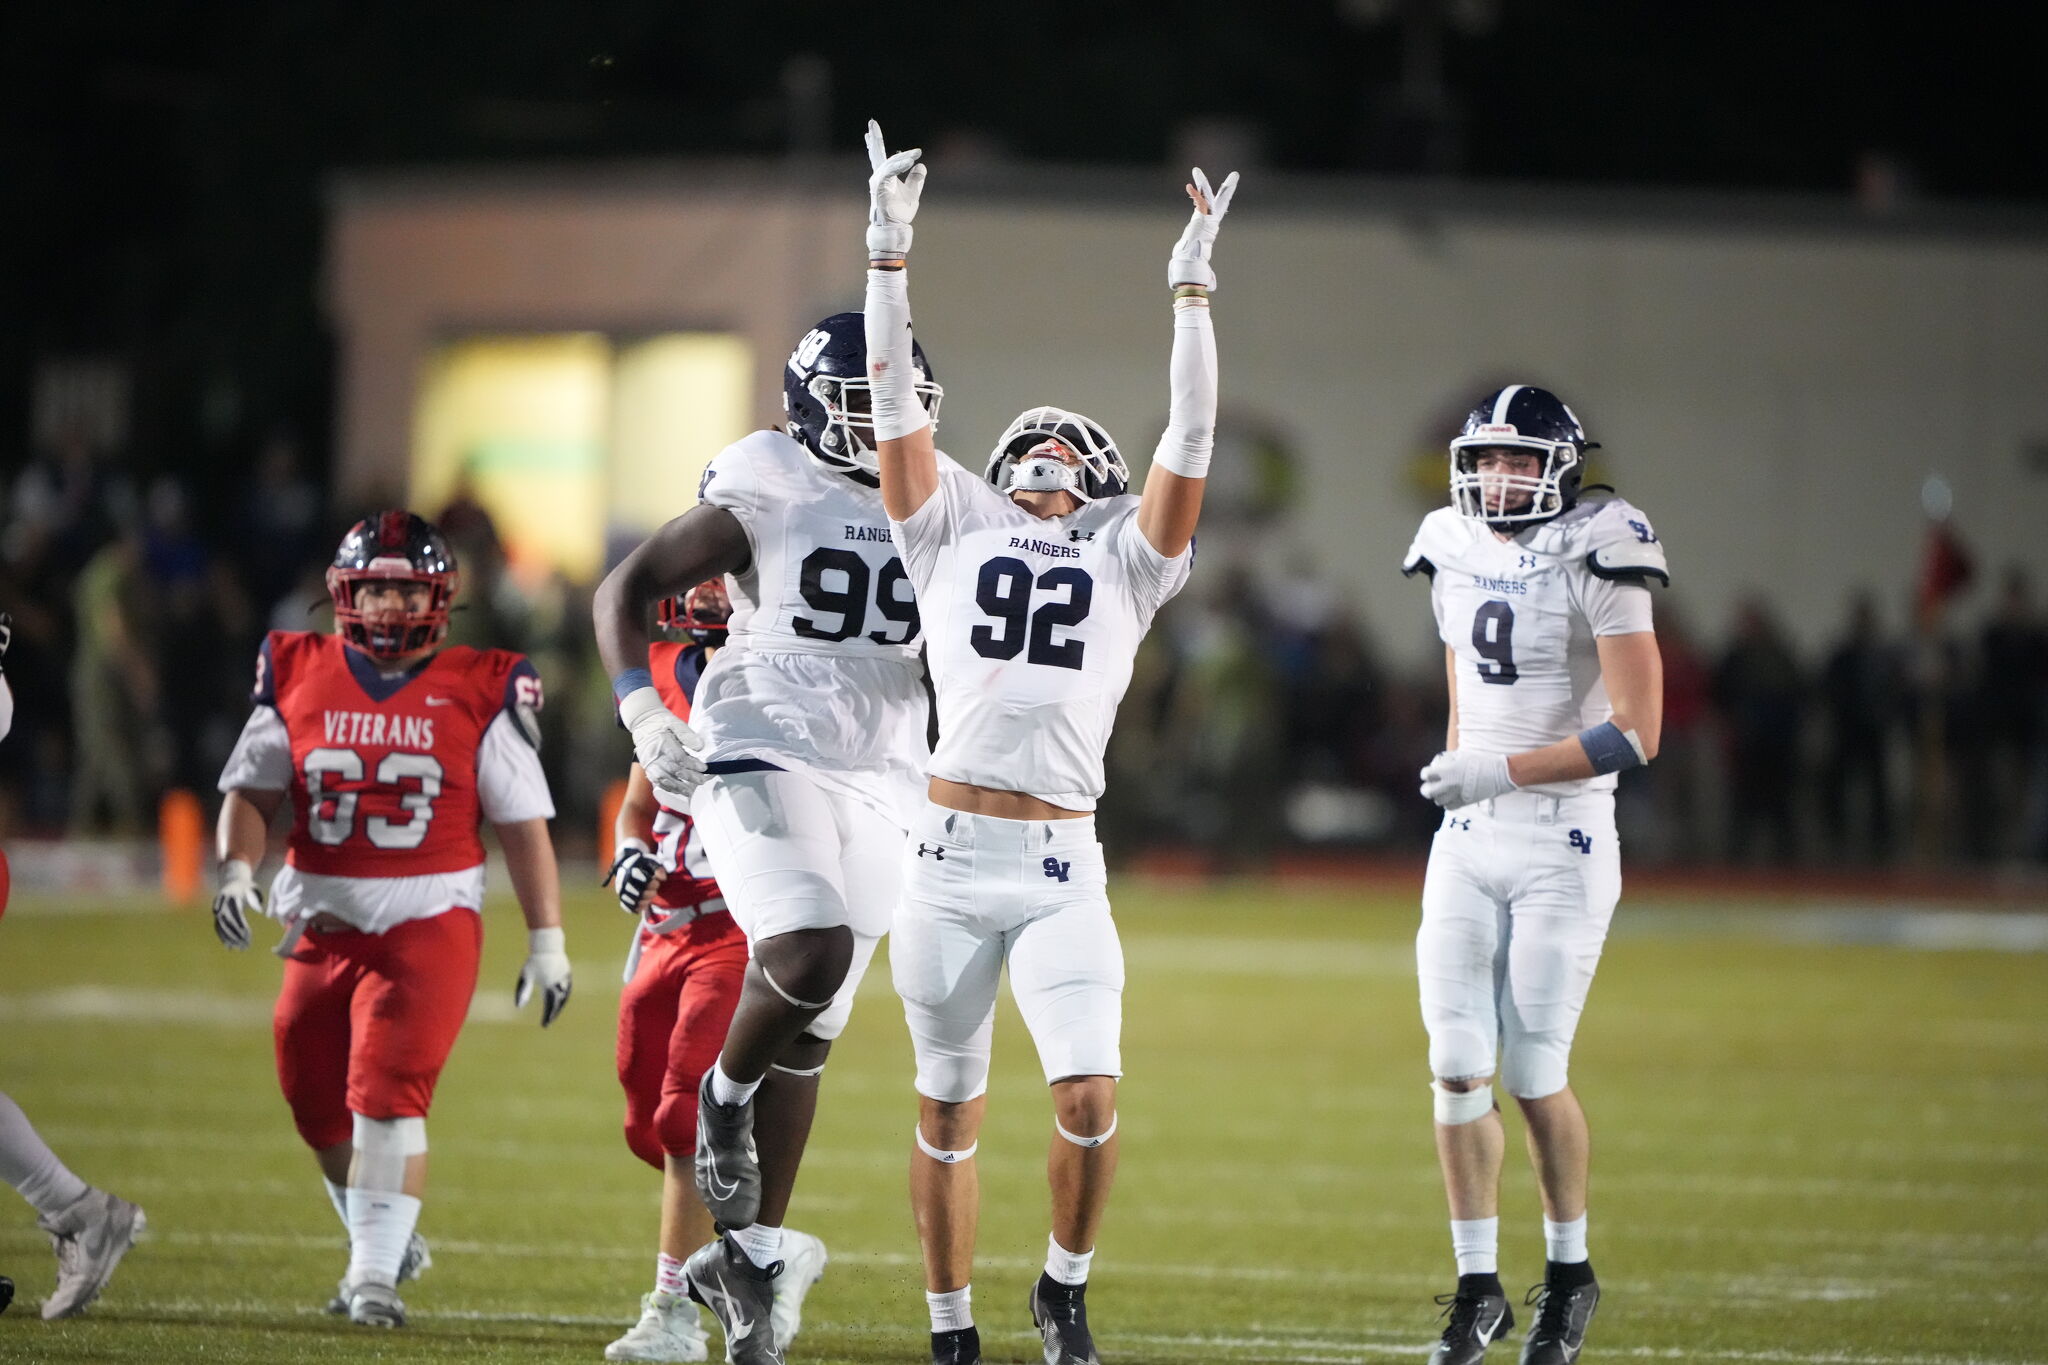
x: 338, y: 1195
x: 762, y: 1244
x: 1565, y: 1241
x: 953, y: 1310
x: 726, y: 1090
x: 28, y: 1164
x: 668, y: 1277
x: 1476, y: 1243
x: 1066, y: 1266
x: 380, y: 1223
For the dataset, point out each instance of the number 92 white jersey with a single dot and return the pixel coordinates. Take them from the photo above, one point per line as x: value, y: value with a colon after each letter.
x: 820, y: 673
x: 1031, y: 628
x: 1521, y: 618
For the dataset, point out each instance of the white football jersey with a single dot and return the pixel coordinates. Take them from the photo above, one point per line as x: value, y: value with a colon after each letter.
x: 1521, y: 617
x: 1031, y: 627
x: 820, y: 672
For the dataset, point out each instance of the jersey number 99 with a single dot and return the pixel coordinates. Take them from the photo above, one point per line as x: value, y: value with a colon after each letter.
x: 835, y: 582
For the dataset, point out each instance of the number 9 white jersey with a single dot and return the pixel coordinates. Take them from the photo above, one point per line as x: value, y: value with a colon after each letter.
x: 1521, y: 618
x: 1032, y: 626
x: 820, y: 672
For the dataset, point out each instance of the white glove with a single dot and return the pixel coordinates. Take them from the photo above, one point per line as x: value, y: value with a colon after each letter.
x: 237, y: 899
x: 636, y: 872
x: 1459, y: 777
x: 1190, y: 260
x: 671, y: 753
x: 893, y: 189
x: 547, y: 967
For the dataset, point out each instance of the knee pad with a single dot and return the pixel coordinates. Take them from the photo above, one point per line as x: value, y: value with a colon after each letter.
x: 1079, y: 1141
x: 804, y: 1057
x: 1455, y: 1107
x: 1460, y: 1052
x: 806, y: 967
x: 382, y: 1146
x: 942, y: 1156
x: 675, y: 1125
x: 1534, y: 1066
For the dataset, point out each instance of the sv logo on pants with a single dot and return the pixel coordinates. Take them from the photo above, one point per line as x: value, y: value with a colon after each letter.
x: 1582, y: 841
x: 1055, y: 868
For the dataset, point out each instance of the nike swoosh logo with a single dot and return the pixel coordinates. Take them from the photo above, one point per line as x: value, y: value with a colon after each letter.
x: 739, y: 1329
x: 1487, y: 1334
x: 440, y: 701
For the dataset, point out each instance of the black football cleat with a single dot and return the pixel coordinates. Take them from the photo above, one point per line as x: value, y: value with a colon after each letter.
x: 1060, y: 1313
x: 1564, y: 1309
x: 6, y: 1293
x: 727, y: 1166
x: 1474, y: 1318
x: 741, y: 1295
x: 961, y: 1346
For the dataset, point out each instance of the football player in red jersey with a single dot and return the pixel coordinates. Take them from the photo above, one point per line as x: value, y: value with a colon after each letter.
x: 392, y: 751
x: 683, y: 979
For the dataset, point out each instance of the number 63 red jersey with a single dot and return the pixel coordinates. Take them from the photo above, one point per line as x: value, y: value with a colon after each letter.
x: 391, y: 776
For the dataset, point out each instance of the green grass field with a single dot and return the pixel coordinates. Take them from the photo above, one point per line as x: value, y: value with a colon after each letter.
x: 1804, y: 1152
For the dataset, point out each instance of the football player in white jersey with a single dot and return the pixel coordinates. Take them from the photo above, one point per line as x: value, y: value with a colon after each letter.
x: 1541, y: 597
x: 805, y: 749
x: 1036, y: 586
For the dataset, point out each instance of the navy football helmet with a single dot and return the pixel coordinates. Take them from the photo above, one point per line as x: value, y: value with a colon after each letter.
x: 825, y: 393
x: 393, y: 546
x: 1028, y: 457
x: 1519, y: 417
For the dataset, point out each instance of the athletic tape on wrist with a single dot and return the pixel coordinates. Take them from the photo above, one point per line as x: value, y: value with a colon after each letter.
x: 1612, y: 748
x: 940, y: 1155
x: 1095, y: 1141
x: 1456, y: 1107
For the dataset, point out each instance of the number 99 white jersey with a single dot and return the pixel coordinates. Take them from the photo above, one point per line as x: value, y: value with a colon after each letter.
x: 1521, y: 618
x: 820, y: 673
x: 1031, y: 628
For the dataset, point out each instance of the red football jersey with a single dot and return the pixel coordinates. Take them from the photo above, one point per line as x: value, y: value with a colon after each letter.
x: 384, y: 770
x: 676, y: 668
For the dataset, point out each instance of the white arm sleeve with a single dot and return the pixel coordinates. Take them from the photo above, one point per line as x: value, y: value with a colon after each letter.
x: 262, y: 760
x: 891, y: 378
x: 510, y: 785
x: 1190, y: 434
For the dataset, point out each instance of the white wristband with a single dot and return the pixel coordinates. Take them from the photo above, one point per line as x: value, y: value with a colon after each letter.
x: 640, y: 846
x: 545, y: 940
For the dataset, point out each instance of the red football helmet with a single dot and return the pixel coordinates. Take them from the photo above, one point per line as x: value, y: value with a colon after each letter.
x: 393, y: 547
x: 701, y: 613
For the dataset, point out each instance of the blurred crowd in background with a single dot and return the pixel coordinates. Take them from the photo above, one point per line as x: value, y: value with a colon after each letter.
x: 1263, y: 715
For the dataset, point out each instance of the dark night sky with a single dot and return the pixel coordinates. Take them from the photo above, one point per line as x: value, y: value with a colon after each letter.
x: 164, y: 160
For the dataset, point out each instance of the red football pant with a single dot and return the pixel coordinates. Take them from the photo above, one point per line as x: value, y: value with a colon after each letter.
x: 365, y: 1022
x: 672, y: 1022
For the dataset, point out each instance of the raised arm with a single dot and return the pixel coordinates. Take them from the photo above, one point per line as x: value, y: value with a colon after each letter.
x: 1172, y: 501
x: 903, y: 429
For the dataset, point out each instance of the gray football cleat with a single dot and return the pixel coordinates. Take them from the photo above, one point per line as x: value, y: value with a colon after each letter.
x: 668, y: 1331
x: 741, y: 1295
x: 418, y: 1260
x: 1060, y: 1313
x: 90, y: 1238
x: 375, y: 1305
x: 1563, y: 1312
x: 1473, y: 1320
x: 727, y: 1168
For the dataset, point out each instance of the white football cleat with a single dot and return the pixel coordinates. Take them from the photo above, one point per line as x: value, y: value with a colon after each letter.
x: 375, y: 1305
x: 417, y: 1261
x: 667, y: 1331
x: 90, y: 1238
x: 803, y: 1265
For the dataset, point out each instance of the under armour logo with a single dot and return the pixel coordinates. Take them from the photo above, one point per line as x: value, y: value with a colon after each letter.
x: 932, y: 851
x: 1080, y: 535
x: 1581, y: 841
x: 1525, y: 561
x: 1453, y: 822
x: 705, y: 482
x: 1055, y: 868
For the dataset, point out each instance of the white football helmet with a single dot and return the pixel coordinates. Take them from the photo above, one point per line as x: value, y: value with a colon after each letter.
x: 1028, y: 457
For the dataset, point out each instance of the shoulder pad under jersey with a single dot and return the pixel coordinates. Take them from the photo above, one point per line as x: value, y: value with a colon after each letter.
x: 1436, y: 541
x: 1621, y: 544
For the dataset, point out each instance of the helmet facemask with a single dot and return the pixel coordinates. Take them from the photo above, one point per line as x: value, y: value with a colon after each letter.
x: 847, y: 438
x: 1513, y: 502
x: 388, y: 637
x: 704, y: 613
x: 1052, y: 450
